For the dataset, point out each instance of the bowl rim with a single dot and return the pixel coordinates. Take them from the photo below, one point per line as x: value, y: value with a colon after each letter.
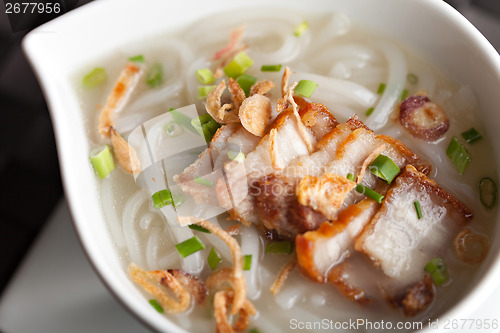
x: 31, y: 45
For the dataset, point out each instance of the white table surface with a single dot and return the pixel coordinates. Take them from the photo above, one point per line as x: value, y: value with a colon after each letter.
x: 56, y: 290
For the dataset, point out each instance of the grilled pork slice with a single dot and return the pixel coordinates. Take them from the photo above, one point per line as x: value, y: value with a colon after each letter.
x: 287, y: 139
x: 401, y: 243
x: 228, y: 137
x: 320, y: 250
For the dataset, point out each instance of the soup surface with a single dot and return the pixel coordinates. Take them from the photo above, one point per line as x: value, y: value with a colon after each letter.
x: 352, y: 72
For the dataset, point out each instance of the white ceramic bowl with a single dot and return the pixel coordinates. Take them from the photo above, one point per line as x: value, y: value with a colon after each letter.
x: 59, y: 48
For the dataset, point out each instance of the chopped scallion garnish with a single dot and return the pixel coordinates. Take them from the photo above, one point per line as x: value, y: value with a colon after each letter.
x: 471, y: 135
x: 305, y: 88
x: 137, y: 58
x: 381, y: 88
x: 172, y: 129
x: 162, y: 198
x: 102, y: 162
x: 240, y: 63
x: 351, y: 177
x: 203, y: 91
x: 270, y: 68
x: 438, y: 271
x: 189, y: 246
x: 205, y: 125
x: 458, y: 154
x: 247, y: 262
x: 205, y: 76
x: 213, y: 259
x: 369, y: 193
x: 198, y: 228
x: 412, y: 78
x: 300, y: 29
x: 204, y: 181
x: 284, y: 247
x: 154, y: 76
x: 385, y: 168
x: 94, y: 78
x: 404, y: 94
x: 237, y: 156
x: 488, y: 192
x: 246, y: 82
x: 156, y: 305
x: 369, y: 111
x: 418, y: 209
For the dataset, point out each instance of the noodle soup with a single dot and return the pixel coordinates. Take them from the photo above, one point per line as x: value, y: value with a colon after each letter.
x: 356, y: 73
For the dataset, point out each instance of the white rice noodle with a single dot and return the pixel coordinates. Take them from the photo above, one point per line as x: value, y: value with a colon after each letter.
x: 168, y: 261
x: 152, y: 248
x: 217, y: 243
x: 108, y: 207
x: 337, y: 24
x: 266, y: 322
x: 287, y: 50
x: 394, y: 86
x: 192, y: 264
x: 130, y: 226
x: 349, y: 56
x: 290, y: 294
x: 335, y: 89
x: 251, y: 245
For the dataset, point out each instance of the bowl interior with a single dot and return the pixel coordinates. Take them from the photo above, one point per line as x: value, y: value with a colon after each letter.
x: 60, y: 48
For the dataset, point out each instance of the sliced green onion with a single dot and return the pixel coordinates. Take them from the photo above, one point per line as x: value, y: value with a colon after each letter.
x: 177, y: 199
x: 404, y: 94
x: 156, y: 305
x: 237, y: 156
x: 205, y: 76
x: 247, y: 262
x: 238, y: 65
x: 284, y: 247
x: 305, y: 88
x: 204, y: 181
x: 438, y: 271
x: 412, y: 78
x: 369, y: 111
x: 488, y: 192
x: 189, y: 246
x: 203, y: 91
x: 385, y: 168
x: 183, y: 120
x: 213, y: 259
x: 162, y: 198
x: 154, y: 76
x: 102, y: 162
x: 381, y: 88
x: 369, y: 193
x: 418, y: 209
x: 137, y: 58
x: 246, y: 82
x: 94, y: 78
x: 270, y: 68
x: 471, y: 136
x: 172, y: 129
x: 254, y: 331
x: 458, y: 154
x: 300, y: 29
x: 198, y: 228
x: 206, y: 126
x: 351, y: 177
x: 198, y: 123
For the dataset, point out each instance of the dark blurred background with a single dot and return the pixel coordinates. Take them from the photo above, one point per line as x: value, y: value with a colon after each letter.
x: 30, y: 184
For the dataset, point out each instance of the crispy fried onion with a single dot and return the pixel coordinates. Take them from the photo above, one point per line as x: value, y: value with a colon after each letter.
x: 228, y: 112
x: 255, y: 114
x: 284, y: 81
x: 282, y: 276
x: 193, y: 285
x: 471, y: 248
x: 124, y: 153
x: 222, y: 299
x: 236, y: 278
x: 128, y: 79
x: 150, y: 281
x: 261, y: 87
